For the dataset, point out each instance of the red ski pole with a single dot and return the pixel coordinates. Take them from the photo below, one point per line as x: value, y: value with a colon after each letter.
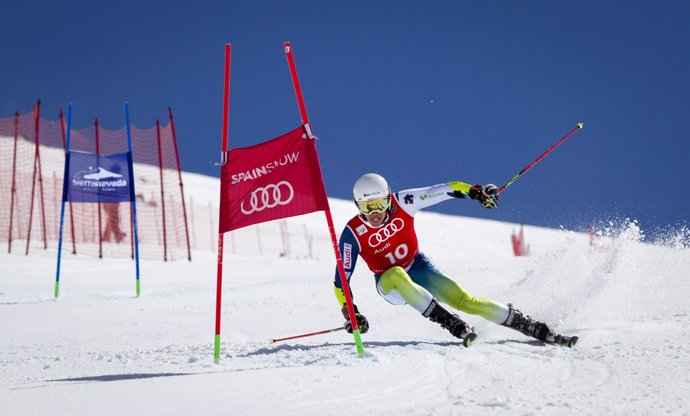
x: 514, y: 178
x: 340, y: 328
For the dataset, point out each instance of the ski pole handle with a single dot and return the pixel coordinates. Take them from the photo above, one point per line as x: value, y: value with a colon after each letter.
x: 340, y: 328
x: 514, y: 178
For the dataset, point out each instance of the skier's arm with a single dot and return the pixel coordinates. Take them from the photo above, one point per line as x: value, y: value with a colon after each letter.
x: 349, y: 249
x: 413, y: 200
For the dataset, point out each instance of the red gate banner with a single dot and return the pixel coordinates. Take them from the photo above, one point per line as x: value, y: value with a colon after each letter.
x: 276, y: 179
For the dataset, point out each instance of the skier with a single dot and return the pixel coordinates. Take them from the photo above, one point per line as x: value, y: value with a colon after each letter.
x: 383, y: 234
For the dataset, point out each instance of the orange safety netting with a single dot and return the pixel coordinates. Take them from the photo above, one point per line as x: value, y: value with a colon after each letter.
x: 31, y: 175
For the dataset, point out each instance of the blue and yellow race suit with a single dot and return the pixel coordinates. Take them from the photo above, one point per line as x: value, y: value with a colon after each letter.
x: 403, y: 274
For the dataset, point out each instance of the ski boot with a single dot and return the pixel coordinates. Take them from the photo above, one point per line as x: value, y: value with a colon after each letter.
x: 456, y: 326
x: 535, y: 329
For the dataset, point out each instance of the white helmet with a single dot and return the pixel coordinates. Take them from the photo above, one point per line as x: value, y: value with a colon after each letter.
x: 371, y: 193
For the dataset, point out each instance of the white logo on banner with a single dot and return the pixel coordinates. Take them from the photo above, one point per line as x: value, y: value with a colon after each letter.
x: 100, y: 174
x: 266, y: 169
x: 347, y: 256
x: 386, y: 232
x: 99, y: 178
x: 268, y: 197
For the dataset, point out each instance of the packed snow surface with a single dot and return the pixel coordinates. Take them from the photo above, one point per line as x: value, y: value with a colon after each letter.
x: 98, y: 349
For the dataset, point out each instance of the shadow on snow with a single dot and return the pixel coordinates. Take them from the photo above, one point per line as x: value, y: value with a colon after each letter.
x: 367, y: 345
x: 122, y: 377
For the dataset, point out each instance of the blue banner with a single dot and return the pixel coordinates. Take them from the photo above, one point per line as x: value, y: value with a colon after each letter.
x: 98, y: 178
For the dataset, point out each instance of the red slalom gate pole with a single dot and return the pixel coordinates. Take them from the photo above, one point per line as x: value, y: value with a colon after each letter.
x: 179, y: 175
x: 329, y: 218
x: 550, y: 149
x: 14, y: 180
x: 160, y: 170
x: 340, y: 328
x: 37, y: 111
x: 40, y: 178
x: 224, y: 159
x: 100, y: 223
x: 226, y: 104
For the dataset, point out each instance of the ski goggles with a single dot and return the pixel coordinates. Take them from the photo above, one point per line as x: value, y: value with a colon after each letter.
x: 374, y: 205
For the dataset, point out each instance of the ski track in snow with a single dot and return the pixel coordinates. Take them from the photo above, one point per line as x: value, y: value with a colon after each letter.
x: 98, y: 349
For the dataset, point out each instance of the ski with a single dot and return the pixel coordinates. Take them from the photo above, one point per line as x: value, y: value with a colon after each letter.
x: 564, y: 340
x: 469, y: 339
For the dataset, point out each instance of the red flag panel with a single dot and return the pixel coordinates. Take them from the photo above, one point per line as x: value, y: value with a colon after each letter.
x: 276, y: 179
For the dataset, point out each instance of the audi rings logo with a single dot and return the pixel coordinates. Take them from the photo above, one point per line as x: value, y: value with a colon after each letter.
x: 269, y: 196
x: 386, y: 232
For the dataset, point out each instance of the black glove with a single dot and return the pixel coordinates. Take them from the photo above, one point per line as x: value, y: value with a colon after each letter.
x: 362, y: 322
x: 486, y: 194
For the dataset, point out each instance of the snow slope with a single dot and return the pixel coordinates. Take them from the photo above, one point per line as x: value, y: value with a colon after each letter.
x: 100, y: 350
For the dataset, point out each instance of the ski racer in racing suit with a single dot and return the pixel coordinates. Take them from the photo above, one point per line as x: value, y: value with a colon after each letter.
x: 383, y: 235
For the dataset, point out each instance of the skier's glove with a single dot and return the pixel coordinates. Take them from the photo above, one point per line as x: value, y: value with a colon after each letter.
x: 487, y: 195
x: 362, y: 322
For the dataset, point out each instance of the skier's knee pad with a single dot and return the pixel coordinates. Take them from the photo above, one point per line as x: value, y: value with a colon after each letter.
x: 395, y: 277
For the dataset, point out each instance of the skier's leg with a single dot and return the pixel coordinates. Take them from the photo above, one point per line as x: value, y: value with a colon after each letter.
x: 396, y: 286
x: 448, y: 291
x: 528, y: 326
x: 456, y: 326
x: 395, y: 283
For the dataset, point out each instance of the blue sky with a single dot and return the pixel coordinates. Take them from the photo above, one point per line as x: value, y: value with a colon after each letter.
x: 421, y: 92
